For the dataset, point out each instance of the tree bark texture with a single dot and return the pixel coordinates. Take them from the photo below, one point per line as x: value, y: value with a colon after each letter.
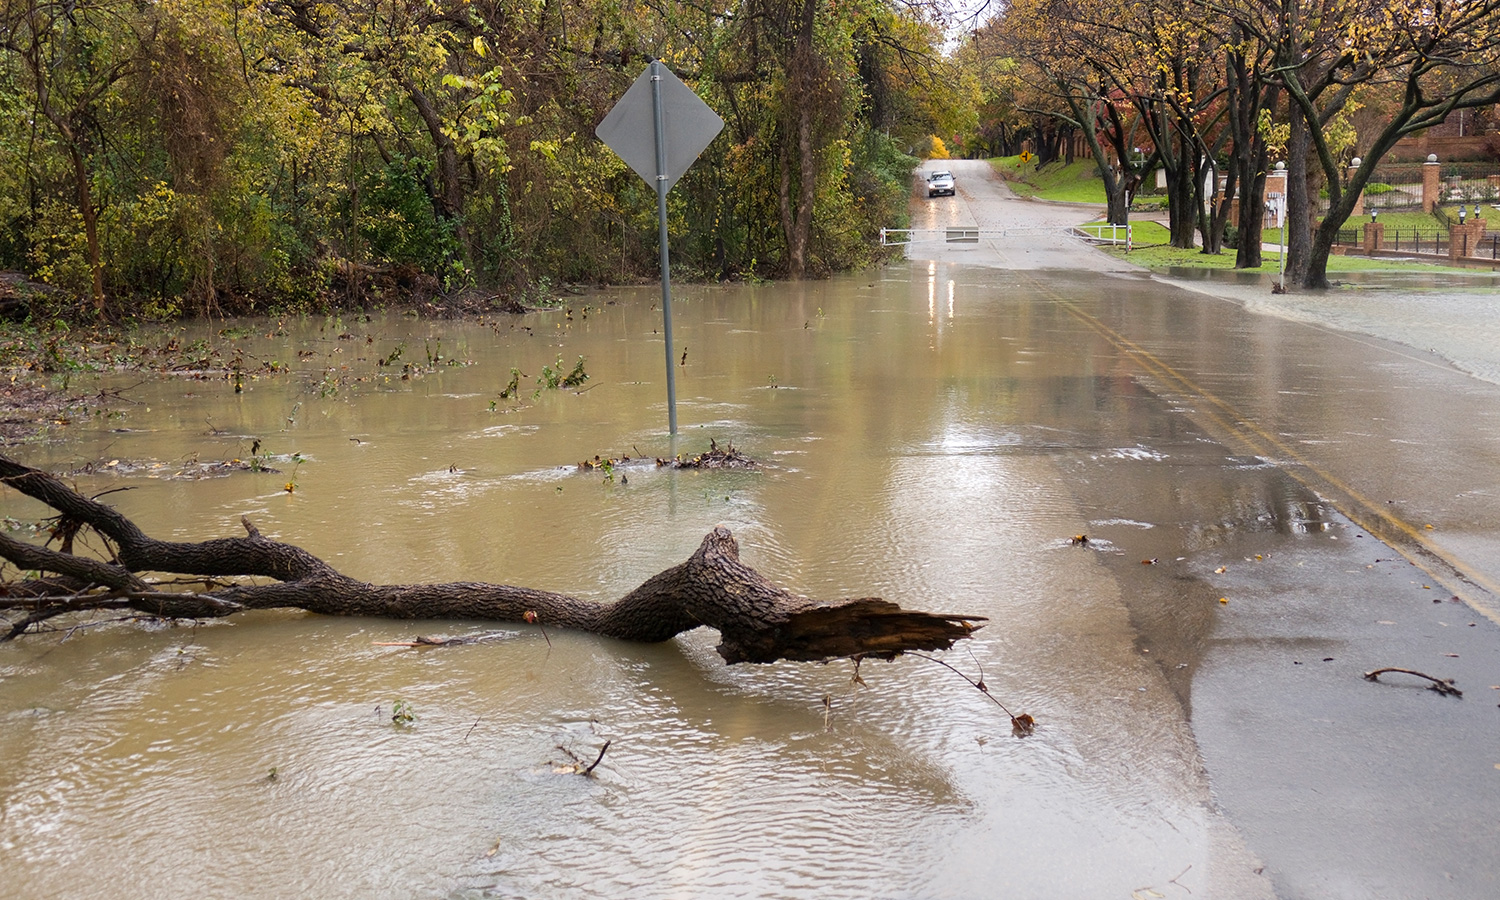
x: 757, y: 620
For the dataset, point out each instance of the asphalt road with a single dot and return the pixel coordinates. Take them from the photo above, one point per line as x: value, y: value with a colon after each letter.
x: 1341, y: 493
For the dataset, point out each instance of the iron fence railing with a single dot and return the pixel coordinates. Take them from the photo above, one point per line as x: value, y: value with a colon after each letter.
x: 1416, y: 240
x: 1398, y: 187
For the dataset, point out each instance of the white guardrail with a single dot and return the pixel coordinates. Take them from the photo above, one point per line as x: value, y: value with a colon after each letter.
x: 1094, y: 233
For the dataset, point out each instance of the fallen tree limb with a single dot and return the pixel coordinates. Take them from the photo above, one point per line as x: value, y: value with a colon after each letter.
x: 757, y: 620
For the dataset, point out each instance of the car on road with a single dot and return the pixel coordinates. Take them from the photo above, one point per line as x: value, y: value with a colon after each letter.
x: 939, y: 183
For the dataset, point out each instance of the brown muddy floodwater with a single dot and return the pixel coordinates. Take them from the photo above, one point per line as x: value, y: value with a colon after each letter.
x: 908, y: 423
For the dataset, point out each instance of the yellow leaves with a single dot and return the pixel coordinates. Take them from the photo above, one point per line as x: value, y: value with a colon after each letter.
x: 547, y: 149
x: 479, y: 45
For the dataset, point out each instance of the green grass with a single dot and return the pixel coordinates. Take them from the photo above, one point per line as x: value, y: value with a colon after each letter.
x: 1402, y: 220
x: 1077, y: 182
x: 1169, y: 257
x: 1145, y: 235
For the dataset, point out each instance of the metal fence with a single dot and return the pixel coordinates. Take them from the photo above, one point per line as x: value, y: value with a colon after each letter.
x: 1422, y: 241
x: 1458, y: 189
x: 1397, y: 187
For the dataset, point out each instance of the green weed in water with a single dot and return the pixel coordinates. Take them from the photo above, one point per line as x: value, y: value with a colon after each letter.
x: 403, y: 714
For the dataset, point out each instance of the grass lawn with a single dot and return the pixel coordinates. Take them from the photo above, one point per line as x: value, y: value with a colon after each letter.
x: 1150, y: 239
x: 1162, y: 257
x: 1071, y: 183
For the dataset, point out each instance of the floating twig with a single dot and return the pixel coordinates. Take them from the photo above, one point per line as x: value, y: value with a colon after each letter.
x: 425, y: 641
x: 1020, y: 726
x: 598, y: 759
x: 532, y: 617
x: 1441, y: 685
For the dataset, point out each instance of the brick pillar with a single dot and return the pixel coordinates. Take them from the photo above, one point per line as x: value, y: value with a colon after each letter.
x: 1359, y: 202
x: 1430, y: 182
x: 1463, y: 240
x: 1374, y: 236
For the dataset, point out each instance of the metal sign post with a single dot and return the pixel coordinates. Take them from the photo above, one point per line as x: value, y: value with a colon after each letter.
x: 659, y: 127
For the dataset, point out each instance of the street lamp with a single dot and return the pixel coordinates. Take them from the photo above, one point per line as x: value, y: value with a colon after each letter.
x: 1373, y: 214
x: 1462, y: 213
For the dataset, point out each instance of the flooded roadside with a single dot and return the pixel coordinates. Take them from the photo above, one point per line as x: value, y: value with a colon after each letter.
x: 916, y: 427
x: 1447, y: 316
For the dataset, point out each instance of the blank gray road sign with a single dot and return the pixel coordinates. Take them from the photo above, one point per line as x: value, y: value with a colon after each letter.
x: 630, y: 128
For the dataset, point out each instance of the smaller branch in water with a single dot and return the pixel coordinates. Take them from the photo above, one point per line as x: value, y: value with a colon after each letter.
x: 578, y: 767
x: 1441, y: 685
x: 534, y: 619
x: 598, y: 759
x: 425, y: 641
x: 1020, y: 726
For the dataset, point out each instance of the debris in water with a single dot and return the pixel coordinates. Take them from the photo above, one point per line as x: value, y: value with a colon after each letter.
x: 1079, y: 540
x: 1441, y: 685
x: 728, y: 458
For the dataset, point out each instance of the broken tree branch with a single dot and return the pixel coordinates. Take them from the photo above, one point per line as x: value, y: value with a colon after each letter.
x: 757, y: 620
x: 1441, y: 685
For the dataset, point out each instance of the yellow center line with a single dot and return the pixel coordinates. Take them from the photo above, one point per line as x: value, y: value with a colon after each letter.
x: 1452, y: 574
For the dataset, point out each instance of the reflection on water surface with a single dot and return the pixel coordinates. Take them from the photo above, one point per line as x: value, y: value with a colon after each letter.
x: 912, y: 431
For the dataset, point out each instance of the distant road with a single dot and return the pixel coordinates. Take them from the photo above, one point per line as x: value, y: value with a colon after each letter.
x: 984, y: 201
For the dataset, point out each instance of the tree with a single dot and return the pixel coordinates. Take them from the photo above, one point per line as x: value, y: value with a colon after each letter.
x: 757, y: 620
x: 1436, y: 58
x: 72, y: 55
x: 1077, y: 54
x: 1250, y: 94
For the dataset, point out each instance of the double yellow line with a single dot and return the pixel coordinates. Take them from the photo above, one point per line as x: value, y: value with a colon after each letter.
x: 1474, y: 588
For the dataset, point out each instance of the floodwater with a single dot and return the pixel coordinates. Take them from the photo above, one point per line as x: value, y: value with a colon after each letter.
x: 909, y: 430
x: 934, y: 434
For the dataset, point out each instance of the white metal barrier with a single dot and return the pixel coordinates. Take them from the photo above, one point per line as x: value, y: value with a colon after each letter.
x: 1094, y: 232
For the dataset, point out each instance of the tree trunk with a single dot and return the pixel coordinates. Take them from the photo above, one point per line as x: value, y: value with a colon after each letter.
x: 1299, y: 211
x: 796, y: 218
x: 1116, y: 196
x: 806, y: 76
x: 90, y: 214
x: 1250, y: 157
x: 448, y: 199
x: 757, y: 620
x: 1182, y: 195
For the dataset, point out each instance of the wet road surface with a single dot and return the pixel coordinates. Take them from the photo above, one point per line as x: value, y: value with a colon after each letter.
x: 1341, y: 493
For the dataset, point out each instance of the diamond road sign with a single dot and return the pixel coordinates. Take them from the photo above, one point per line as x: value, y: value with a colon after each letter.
x: 688, y: 126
